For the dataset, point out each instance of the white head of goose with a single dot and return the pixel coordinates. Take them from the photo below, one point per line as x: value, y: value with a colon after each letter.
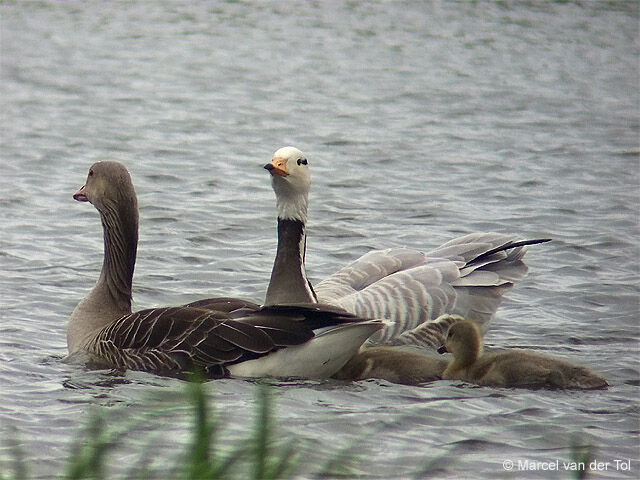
x: 510, y: 368
x: 219, y: 336
x: 290, y: 180
x: 466, y: 276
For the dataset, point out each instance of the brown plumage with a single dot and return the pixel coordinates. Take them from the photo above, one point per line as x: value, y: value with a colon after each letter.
x: 511, y: 368
x: 393, y: 364
x: 413, y: 361
x: 171, y: 340
x: 219, y: 336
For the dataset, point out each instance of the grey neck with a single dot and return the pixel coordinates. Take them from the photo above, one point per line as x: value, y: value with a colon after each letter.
x: 120, y: 246
x: 289, y: 283
x: 110, y: 298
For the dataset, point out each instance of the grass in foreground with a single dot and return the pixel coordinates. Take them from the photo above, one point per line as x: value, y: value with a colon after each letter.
x: 208, y: 454
x: 257, y: 456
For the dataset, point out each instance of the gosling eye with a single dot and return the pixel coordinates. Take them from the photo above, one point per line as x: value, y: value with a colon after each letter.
x: 91, y: 172
x: 302, y: 161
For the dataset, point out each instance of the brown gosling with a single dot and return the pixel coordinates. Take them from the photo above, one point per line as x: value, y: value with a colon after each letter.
x: 411, y: 362
x: 510, y: 368
x: 393, y: 364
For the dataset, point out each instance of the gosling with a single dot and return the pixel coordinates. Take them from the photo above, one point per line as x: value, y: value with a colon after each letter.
x: 510, y: 368
x: 393, y: 364
x: 412, y: 361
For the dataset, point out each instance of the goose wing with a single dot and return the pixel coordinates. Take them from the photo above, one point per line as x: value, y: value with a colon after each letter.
x: 430, y: 335
x: 302, y: 321
x: 466, y: 276
x: 177, y: 339
x: 224, y: 304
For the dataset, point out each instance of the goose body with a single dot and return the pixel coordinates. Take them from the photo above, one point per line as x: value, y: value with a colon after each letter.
x: 510, y: 368
x: 221, y: 336
x: 403, y: 365
x: 466, y: 276
x: 271, y: 341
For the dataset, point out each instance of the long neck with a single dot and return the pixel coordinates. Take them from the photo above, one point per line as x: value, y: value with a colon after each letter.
x: 289, y: 283
x: 110, y: 298
x: 120, y: 246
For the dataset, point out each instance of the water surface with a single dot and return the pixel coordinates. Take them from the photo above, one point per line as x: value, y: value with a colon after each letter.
x: 421, y: 120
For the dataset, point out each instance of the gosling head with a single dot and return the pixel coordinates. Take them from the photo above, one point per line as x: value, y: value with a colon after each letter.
x: 290, y: 180
x: 464, y: 341
x: 108, y: 183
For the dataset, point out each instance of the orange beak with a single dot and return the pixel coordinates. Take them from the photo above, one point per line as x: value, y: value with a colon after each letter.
x: 278, y: 166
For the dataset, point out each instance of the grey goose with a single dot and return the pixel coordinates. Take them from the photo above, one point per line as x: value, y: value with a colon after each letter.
x: 221, y: 336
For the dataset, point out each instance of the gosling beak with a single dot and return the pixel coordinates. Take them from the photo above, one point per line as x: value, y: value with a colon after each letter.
x: 442, y: 349
x: 278, y: 166
x: 81, y: 195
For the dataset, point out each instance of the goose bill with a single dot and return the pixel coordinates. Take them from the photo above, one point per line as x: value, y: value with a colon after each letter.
x: 278, y: 166
x: 80, y: 195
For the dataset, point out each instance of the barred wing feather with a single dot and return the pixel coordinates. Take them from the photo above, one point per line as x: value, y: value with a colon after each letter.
x: 176, y: 339
x: 466, y: 276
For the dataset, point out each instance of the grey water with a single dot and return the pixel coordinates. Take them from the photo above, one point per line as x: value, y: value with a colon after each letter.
x: 422, y: 121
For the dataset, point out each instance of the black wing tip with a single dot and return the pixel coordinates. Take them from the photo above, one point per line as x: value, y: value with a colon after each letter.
x: 509, y: 246
x: 530, y: 242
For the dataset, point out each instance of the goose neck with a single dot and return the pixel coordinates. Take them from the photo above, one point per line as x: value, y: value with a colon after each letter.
x: 467, y: 356
x: 120, y: 246
x: 289, y: 283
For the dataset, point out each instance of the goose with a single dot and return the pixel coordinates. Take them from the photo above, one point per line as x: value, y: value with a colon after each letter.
x: 510, y: 368
x: 219, y: 336
x: 466, y: 276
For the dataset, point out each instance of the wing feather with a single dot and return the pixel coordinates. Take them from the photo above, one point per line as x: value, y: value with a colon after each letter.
x: 176, y: 339
x: 467, y: 275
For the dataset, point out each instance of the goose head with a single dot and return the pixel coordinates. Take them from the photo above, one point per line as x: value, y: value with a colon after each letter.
x: 108, y: 185
x: 290, y: 180
x: 464, y: 341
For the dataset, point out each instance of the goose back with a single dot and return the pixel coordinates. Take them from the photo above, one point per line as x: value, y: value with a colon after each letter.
x: 467, y: 276
x: 172, y: 340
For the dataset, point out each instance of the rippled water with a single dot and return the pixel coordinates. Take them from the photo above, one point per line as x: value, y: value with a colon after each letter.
x: 422, y: 121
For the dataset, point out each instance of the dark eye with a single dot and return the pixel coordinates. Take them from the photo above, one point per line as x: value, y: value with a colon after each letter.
x: 91, y: 173
x: 302, y: 161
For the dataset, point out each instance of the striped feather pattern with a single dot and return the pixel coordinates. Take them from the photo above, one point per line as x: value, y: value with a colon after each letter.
x: 466, y: 276
x: 430, y: 335
x: 172, y: 340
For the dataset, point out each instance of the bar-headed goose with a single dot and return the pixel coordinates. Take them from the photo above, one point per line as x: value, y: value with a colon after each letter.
x: 510, y: 368
x: 290, y: 180
x: 221, y: 336
x: 466, y: 276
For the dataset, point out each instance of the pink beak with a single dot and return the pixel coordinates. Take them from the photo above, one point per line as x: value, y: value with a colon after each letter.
x: 80, y: 195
